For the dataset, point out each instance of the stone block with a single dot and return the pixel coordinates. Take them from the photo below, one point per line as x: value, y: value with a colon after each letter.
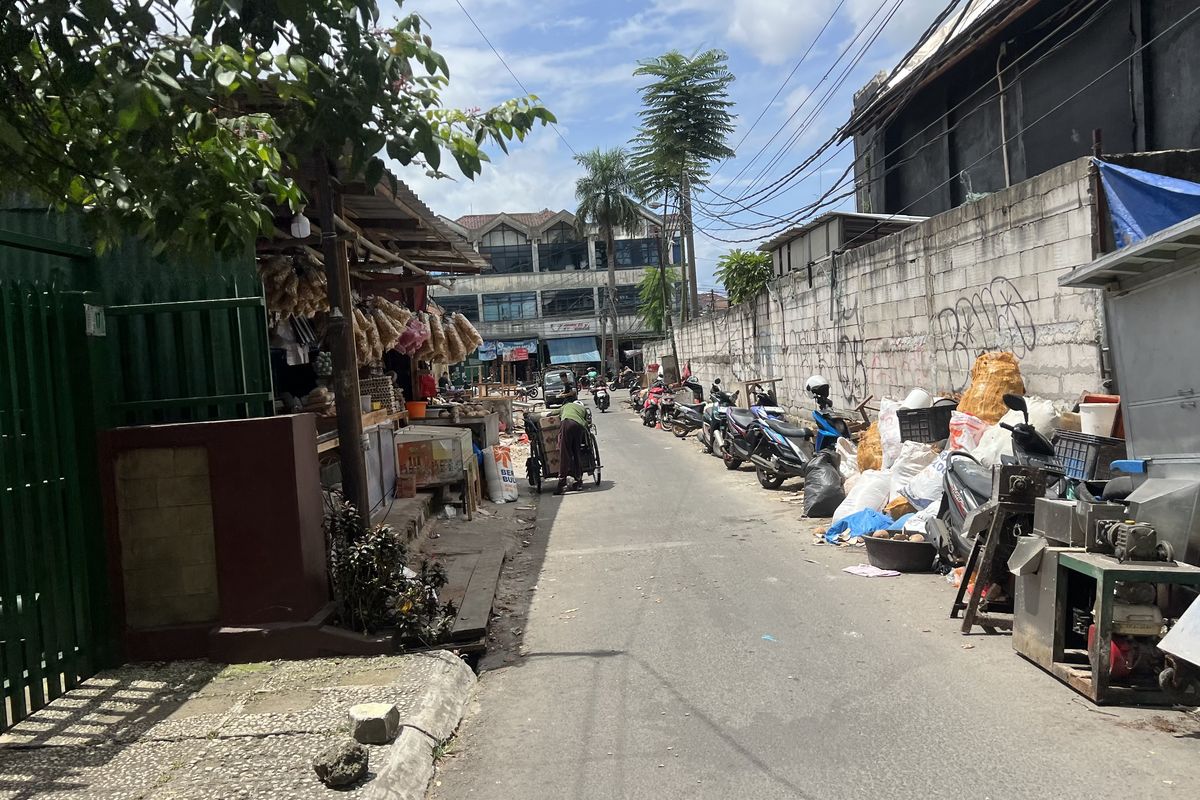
x: 137, y: 493
x: 374, y: 723
x: 191, y: 461
x: 185, y: 491
x: 343, y: 763
x: 148, y: 462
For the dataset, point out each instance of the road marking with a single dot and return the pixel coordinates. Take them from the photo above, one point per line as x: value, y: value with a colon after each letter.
x: 616, y: 548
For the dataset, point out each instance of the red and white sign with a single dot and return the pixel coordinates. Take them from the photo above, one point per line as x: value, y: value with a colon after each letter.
x: 517, y: 354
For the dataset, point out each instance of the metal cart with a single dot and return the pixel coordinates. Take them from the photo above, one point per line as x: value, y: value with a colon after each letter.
x: 537, y: 466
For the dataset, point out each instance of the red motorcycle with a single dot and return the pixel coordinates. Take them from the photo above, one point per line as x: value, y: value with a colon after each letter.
x: 655, y: 396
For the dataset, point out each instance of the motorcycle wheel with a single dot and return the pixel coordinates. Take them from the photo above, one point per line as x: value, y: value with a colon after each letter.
x: 679, y: 429
x: 731, y: 463
x: 768, y: 479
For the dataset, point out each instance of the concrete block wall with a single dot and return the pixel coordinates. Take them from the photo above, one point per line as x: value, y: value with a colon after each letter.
x: 914, y: 309
x: 168, y: 553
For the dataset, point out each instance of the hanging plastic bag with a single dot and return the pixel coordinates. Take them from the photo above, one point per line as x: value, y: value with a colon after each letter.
x: 869, y: 491
x: 502, y: 457
x: 889, y: 432
x: 965, y: 431
x: 823, y: 491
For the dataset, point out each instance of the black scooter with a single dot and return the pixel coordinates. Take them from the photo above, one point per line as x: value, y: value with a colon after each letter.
x: 968, y: 484
x: 777, y: 450
x: 713, y: 427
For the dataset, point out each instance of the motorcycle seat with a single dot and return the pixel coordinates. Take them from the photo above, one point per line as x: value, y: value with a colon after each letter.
x: 740, y: 417
x: 976, y: 477
x: 697, y: 407
x: 790, y: 431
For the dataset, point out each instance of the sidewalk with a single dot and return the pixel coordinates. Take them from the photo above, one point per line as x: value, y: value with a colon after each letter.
x: 199, y: 730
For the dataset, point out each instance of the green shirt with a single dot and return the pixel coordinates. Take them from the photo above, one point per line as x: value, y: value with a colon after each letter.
x: 575, y: 412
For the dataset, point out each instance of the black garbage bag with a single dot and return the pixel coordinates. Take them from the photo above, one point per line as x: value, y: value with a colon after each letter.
x: 823, y: 491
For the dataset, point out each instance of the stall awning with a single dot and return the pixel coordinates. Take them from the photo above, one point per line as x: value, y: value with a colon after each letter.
x: 575, y: 350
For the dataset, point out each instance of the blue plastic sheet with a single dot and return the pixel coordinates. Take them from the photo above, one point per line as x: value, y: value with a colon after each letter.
x: 860, y: 523
x: 1144, y: 203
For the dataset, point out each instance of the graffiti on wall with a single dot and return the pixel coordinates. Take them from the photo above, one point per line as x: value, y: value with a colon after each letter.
x: 995, y: 317
x: 836, y: 346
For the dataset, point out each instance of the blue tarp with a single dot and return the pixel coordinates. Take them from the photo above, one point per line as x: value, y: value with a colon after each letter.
x: 1144, y: 203
x: 575, y: 350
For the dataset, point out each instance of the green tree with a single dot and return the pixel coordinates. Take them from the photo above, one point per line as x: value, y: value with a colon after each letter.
x: 183, y: 122
x: 652, y: 296
x: 744, y: 274
x: 686, y: 123
x: 605, y: 199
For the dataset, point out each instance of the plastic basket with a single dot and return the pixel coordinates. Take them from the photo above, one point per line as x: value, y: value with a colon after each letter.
x: 1087, y: 457
x: 926, y: 425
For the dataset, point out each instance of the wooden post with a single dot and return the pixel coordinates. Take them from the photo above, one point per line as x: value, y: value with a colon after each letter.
x: 340, y: 335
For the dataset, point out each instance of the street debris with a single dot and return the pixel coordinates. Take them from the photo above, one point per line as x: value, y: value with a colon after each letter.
x: 868, y: 571
x: 341, y: 764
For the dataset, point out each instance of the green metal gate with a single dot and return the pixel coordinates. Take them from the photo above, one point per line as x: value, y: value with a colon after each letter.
x: 53, y: 623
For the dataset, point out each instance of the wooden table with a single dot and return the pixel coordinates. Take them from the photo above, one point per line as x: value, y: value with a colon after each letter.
x: 329, y: 440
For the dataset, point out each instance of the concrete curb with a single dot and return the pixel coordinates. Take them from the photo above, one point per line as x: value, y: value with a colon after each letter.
x: 408, y: 765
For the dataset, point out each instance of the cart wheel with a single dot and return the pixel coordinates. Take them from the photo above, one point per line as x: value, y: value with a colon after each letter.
x: 596, y: 476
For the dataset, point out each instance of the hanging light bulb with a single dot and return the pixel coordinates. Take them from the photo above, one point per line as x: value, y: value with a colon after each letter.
x: 301, y: 227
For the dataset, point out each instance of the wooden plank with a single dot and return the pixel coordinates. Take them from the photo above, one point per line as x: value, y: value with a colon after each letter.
x: 476, y: 608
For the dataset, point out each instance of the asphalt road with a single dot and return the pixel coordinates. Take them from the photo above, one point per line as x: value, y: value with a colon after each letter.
x: 686, y: 639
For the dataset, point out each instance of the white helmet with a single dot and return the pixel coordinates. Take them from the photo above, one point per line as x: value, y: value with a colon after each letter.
x: 815, y: 383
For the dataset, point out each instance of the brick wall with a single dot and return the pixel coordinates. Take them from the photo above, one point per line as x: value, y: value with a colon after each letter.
x: 165, y: 518
x: 915, y: 308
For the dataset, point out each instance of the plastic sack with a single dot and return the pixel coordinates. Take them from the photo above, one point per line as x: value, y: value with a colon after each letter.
x: 847, y: 457
x: 914, y: 457
x: 870, y: 451
x: 917, y: 522
x: 993, y: 375
x: 823, y: 491
x: 491, y: 476
x: 996, y: 442
x: 926, y: 487
x: 965, y: 431
x: 870, y: 492
x: 889, y: 432
x: 502, y: 458
x: 857, y: 525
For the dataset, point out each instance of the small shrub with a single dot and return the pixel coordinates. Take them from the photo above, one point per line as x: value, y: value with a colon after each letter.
x: 371, y: 586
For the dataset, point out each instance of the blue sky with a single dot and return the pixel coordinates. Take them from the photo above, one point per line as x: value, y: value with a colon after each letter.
x: 578, y: 56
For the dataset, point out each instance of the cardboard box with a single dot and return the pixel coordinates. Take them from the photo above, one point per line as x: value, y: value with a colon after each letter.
x: 434, y: 455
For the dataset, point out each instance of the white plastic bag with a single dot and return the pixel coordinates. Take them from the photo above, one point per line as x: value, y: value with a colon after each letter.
x: 889, y: 431
x: 847, y: 457
x: 926, y: 487
x: 502, y: 456
x: 914, y: 457
x: 996, y: 442
x: 869, y: 491
x: 916, y: 523
x: 965, y: 431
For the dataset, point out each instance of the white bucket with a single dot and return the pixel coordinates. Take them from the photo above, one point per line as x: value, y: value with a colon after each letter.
x: 917, y: 398
x: 1096, y: 419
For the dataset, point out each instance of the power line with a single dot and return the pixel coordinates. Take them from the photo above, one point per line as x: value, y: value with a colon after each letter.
x: 510, y: 71
x: 786, y: 81
x: 821, y: 201
x: 1121, y: 62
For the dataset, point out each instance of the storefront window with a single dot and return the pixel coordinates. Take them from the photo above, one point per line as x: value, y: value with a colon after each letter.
x: 509, y: 306
x: 563, y: 256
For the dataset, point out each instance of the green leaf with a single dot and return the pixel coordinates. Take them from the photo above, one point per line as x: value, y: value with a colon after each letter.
x: 299, y: 67
x: 226, y: 77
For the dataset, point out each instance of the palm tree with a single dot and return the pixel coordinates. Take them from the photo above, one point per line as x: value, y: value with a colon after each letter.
x: 605, y: 200
x: 686, y: 121
x: 654, y: 291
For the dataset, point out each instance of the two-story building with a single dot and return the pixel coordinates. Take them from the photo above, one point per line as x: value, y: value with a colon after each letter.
x: 544, y: 293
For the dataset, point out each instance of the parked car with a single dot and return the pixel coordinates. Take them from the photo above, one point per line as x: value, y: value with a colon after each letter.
x: 552, y: 386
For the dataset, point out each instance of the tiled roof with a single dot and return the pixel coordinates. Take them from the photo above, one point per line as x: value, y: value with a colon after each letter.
x: 529, y: 219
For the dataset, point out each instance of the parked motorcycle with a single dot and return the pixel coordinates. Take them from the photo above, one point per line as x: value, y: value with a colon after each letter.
x: 968, y: 484
x: 779, y: 451
x: 712, y: 431
x: 687, y: 418
x: 531, y: 390
x: 650, y: 400
x: 830, y: 425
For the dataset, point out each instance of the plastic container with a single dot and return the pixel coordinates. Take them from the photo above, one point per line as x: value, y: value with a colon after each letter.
x: 925, y: 425
x: 917, y: 398
x: 1096, y: 419
x: 416, y: 409
x: 1087, y: 457
x: 900, y: 555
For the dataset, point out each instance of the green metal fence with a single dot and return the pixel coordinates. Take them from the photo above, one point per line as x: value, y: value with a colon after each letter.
x: 52, y: 581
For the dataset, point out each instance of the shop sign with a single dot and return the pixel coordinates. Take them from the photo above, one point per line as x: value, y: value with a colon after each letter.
x: 517, y: 354
x: 570, y: 327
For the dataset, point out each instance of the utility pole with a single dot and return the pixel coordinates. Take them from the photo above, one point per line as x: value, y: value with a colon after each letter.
x: 663, y: 253
x: 340, y: 335
x: 610, y: 245
x: 685, y: 205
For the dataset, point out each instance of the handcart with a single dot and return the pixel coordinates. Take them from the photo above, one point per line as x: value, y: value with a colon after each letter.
x: 538, y: 467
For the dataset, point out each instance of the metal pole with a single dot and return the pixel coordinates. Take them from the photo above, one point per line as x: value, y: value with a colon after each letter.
x: 664, y: 252
x: 340, y: 335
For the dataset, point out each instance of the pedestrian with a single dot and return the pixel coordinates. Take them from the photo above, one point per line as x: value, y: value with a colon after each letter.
x: 444, y: 382
x: 426, y: 384
x: 570, y: 441
x: 569, y: 392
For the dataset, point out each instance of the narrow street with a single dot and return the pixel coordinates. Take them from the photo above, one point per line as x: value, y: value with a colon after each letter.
x: 686, y: 639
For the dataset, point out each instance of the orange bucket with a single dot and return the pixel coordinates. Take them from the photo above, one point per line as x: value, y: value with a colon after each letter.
x: 416, y: 409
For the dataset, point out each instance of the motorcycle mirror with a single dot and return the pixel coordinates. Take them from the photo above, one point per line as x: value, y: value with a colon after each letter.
x: 1017, y: 403
x: 716, y: 380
